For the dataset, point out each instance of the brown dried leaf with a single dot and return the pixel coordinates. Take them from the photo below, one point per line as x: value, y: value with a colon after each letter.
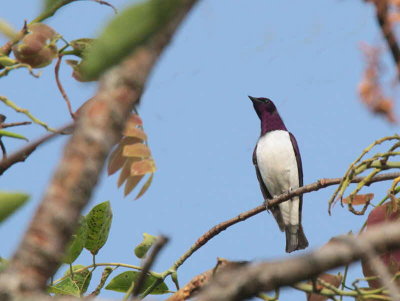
x: 116, y: 160
x: 359, y: 199
x: 143, y: 167
x: 129, y: 140
x: 132, y: 156
x: 126, y: 170
x: 385, y: 107
x: 131, y: 131
x: 131, y: 183
x: 370, y: 89
x: 138, y: 150
x: 145, y: 186
x: 134, y: 120
x: 394, y: 17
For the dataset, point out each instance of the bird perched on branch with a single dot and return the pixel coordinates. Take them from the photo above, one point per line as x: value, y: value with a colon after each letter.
x: 278, y: 166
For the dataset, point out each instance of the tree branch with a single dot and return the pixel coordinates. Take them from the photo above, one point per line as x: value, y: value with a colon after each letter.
x: 246, y: 282
x: 98, y: 128
x: 23, y: 153
x: 322, y: 183
x: 382, y: 8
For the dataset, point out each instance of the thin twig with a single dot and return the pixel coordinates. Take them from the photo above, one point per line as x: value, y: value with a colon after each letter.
x: 108, y: 4
x: 3, y: 149
x: 158, y: 245
x: 60, y: 87
x: 23, y: 153
x: 12, y: 124
x: 351, y: 170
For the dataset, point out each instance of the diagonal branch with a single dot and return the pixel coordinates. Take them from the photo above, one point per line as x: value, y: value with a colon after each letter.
x: 322, y: 183
x: 97, y: 129
x: 248, y: 281
x: 26, y: 151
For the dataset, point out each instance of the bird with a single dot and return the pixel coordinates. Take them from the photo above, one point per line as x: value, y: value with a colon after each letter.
x: 277, y: 161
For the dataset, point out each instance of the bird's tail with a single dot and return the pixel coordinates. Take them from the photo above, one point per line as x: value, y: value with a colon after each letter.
x: 295, y: 238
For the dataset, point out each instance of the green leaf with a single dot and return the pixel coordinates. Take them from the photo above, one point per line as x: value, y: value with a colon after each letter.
x: 12, y: 135
x: 123, y: 281
x: 77, y: 242
x: 81, y: 279
x: 142, y: 248
x: 143, y: 20
x: 65, y: 287
x: 174, y: 278
x: 3, y: 264
x: 50, y: 5
x: 99, y: 222
x: 6, y: 61
x: 9, y: 202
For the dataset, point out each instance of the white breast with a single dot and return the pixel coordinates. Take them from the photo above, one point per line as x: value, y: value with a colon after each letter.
x: 277, y: 163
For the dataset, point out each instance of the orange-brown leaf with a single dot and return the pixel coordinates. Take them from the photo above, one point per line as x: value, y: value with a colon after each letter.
x: 116, y: 160
x: 134, y: 119
x: 143, y: 167
x: 359, y: 199
x: 145, y: 186
x: 126, y: 170
x: 129, y: 140
x: 132, y: 131
x: 138, y: 150
x: 131, y: 183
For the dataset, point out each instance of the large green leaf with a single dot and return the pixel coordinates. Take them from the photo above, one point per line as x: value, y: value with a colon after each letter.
x: 130, y: 29
x: 9, y: 202
x: 123, y: 281
x: 142, y: 248
x: 65, y: 287
x: 98, y: 221
x: 77, y: 242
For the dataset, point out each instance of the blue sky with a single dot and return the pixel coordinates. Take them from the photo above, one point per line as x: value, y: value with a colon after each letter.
x: 202, y: 128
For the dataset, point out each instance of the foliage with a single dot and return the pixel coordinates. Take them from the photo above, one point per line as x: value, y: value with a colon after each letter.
x: 133, y: 157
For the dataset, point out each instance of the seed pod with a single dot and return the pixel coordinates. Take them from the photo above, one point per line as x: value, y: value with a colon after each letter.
x: 38, y: 48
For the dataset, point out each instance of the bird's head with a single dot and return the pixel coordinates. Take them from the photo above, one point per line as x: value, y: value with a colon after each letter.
x: 262, y: 104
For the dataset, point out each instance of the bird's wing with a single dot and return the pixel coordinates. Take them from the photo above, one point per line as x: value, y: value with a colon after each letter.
x: 299, y: 167
x: 275, y: 210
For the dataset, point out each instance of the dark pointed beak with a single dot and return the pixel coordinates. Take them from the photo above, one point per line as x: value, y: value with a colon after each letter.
x: 252, y: 98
